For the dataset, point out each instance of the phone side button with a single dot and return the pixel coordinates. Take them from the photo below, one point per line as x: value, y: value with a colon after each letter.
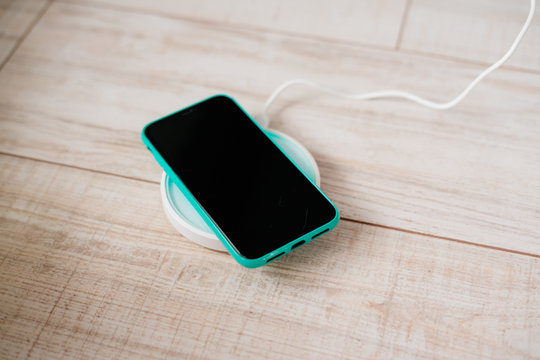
x: 275, y: 257
x: 319, y: 234
x: 301, y: 242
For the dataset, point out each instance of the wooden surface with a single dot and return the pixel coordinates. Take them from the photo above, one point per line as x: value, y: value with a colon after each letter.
x: 438, y: 251
x: 16, y: 19
x: 479, y: 31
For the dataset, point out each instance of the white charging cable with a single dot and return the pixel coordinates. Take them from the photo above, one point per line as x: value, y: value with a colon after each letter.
x: 398, y: 94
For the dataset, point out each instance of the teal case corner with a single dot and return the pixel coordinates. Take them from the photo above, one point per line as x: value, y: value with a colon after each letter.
x: 249, y: 263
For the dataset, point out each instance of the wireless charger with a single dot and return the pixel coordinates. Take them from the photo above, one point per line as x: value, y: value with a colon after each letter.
x: 187, y: 221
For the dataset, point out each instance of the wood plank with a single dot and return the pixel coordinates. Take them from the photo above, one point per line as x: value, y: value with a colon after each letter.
x: 480, y: 30
x: 82, y: 86
x: 91, y: 268
x: 15, y: 18
x: 359, y: 21
x: 6, y: 46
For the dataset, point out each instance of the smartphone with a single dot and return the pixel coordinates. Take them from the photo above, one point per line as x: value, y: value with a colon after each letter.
x: 249, y: 192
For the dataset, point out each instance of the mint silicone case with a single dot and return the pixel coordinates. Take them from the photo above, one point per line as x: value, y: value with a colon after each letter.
x: 250, y: 263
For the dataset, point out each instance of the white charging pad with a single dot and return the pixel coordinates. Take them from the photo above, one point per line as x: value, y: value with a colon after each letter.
x: 187, y: 221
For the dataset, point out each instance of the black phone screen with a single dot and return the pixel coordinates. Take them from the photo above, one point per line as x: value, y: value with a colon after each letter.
x: 250, y: 189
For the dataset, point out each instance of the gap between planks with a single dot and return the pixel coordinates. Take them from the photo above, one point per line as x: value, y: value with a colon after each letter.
x: 210, y: 23
x: 26, y: 32
x: 460, y: 241
x: 403, y: 24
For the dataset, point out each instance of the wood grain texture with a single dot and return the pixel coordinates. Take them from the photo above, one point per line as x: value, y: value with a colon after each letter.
x: 479, y: 30
x: 90, y: 268
x: 359, y: 21
x: 15, y: 18
x: 82, y: 86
